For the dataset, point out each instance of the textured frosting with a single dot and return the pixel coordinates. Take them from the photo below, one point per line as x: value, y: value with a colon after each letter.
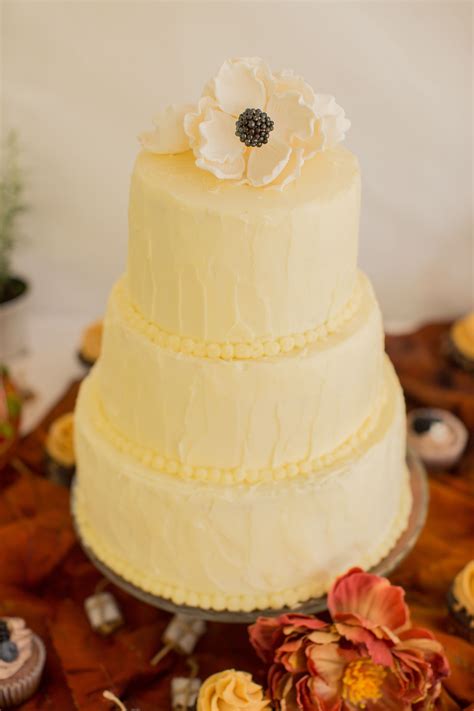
x: 218, y: 475
x: 60, y: 440
x: 22, y: 636
x: 237, y: 350
x: 241, y: 547
x: 221, y: 262
x: 90, y: 341
x: 463, y: 588
x: 231, y: 690
x: 241, y: 414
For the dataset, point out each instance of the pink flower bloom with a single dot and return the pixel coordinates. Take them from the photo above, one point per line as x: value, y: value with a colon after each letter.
x: 368, y: 610
x: 368, y: 658
x: 422, y: 665
x: 269, y: 633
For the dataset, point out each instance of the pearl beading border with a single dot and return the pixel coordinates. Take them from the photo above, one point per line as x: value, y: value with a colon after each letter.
x: 215, y: 475
x: 244, y: 350
x: 235, y: 603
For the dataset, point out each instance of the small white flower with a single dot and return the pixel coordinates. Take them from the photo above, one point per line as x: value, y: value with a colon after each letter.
x: 304, y: 123
x: 169, y: 135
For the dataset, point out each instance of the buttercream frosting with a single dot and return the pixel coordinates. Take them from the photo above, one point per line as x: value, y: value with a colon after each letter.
x: 22, y: 637
x: 222, y: 546
x: 218, y: 262
x: 229, y: 350
x: 91, y: 340
x: 231, y: 690
x: 60, y: 440
x: 462, y: 334
x: 242, y: 424
x: 463, y: 589
x: 160, y: 463
x: 245, y: 415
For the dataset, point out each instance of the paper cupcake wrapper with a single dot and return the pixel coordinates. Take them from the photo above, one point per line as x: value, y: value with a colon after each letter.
x: 59, y: 473
x: 15, y: 692
x: 458, y: 357
x: 464, y: 621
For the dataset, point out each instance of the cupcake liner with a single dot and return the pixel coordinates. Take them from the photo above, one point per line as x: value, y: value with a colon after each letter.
x: 459, y: 358
x: 464, y: 622
x: 14, y: 691
x: 59, y: 473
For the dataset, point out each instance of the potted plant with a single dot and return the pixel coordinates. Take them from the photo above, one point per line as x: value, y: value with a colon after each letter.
x: 14, y: 290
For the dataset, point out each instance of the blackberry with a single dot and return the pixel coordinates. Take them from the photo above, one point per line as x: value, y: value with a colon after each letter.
x: 253, y: 127
x: 8, y: 649
x: 423, y: 424
x: 4, y: 632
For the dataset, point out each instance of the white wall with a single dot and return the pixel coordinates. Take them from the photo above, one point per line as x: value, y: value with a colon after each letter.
x: 81, y: 79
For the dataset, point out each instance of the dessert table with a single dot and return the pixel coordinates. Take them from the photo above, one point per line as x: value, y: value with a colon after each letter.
x: 45, y: 576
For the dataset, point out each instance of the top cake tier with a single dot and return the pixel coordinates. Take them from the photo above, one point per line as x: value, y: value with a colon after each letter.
x: 222, y: 262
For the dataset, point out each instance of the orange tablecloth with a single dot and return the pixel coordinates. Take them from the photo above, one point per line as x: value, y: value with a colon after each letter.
x: 44, y: 576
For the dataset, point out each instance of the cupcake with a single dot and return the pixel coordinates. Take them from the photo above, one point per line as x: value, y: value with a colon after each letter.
x: 91, y: 340
x: 10, y: 410
x: 461, y: 601
x: 437, y: 436
x: 60, y: 456
x: 461, y: 342
x: 22, y: 657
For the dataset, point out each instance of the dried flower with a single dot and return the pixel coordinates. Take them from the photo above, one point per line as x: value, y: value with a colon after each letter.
x: 368, y: 657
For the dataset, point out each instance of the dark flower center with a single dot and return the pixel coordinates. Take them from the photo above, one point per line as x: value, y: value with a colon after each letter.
x: 253, y: 127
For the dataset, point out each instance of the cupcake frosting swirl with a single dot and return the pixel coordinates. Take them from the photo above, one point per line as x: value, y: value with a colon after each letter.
x: 462, y: 334
x: 60, y: 441
x: 23, y: 638
x: 231, y: 690
x: 463, y: 588
x: 91, y: 341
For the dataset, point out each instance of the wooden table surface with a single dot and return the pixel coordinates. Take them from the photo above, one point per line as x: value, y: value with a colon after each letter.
x: 44, y: 576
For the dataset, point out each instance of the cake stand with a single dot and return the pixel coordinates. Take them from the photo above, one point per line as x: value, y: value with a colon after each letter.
x: 419, y: 489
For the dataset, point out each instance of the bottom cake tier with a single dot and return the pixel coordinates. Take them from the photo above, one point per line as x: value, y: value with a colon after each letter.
x: 242, y: 547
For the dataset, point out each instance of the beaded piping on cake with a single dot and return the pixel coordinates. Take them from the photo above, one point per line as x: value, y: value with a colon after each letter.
x: 234, y: 603
x: 215, y: 475
x: 243, y: 350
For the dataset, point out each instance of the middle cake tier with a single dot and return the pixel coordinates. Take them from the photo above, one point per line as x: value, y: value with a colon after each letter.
x: 265, y: 417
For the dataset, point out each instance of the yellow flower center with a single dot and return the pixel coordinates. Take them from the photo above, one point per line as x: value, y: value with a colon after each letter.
x: 362, y: 682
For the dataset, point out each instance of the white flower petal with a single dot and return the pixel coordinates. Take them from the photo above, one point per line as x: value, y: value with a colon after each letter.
x: 242, y: 83
x: 324, y: 104
x: 169, y: 135
x: 266, y: 163
x: 193, y: 119
x: 230, y: 170
x: 219, y: 143
x: 292, y: 169
x: 314, y: 143
x: 304, y: 123
x: 334, y: 129
x: 287, y: 80
x: 291, y: 116
x: 334, y: 123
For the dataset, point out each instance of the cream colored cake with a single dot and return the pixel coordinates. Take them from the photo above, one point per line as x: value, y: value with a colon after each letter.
x: 241, y: 440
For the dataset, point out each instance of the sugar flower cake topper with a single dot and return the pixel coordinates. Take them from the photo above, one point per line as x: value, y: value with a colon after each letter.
x: 251, y: 125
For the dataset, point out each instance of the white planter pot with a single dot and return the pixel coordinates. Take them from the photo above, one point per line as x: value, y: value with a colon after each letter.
x: 14, y: 326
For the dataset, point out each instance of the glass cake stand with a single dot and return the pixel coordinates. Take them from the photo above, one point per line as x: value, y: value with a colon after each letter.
x: 420, y: 493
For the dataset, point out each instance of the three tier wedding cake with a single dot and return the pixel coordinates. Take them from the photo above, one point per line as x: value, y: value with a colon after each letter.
x: 241, y: 440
